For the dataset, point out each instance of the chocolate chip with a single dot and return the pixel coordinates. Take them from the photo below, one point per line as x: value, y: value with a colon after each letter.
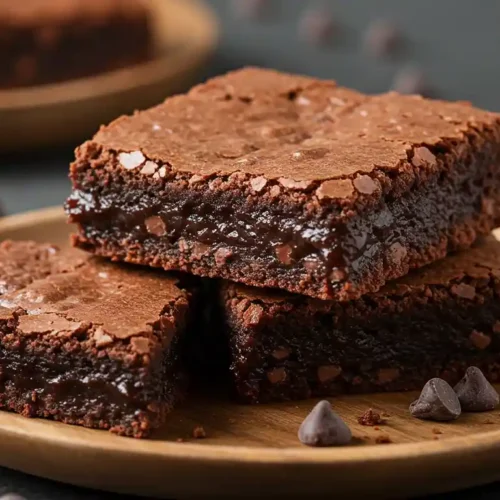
x: 475, y: 393
x: 317, y: 27
x: 328, y: 372
x: 437, y: 401
x: 382, y: 38
x: 276, y: 375
x: 480, y: 340
x: 323, y: 427
x: 155, y: 225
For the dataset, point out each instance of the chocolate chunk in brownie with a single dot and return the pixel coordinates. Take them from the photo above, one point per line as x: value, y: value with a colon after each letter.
x: 284, y: 181
x: 47, y: 41
x: 424, y: 325
x: 87, y: 342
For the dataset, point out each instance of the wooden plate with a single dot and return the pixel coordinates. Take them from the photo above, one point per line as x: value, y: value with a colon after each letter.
x: 185, y: 33
x: 252, y: 450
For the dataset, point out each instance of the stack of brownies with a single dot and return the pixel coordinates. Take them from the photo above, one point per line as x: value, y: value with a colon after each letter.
x: 317, y: 207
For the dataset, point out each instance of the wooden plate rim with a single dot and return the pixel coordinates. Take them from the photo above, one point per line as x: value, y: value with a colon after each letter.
x: 156, y: 70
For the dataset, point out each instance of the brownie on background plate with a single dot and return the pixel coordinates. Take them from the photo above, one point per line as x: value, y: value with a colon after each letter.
x: 45, y: 41
x: 87, y: 342
x: 435, y: 322
x: 283, y: 181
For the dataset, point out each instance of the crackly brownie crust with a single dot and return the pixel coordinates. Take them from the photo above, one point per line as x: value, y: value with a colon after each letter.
x: 432, y: 323
x: 47, y: 41
x: 283, y: 181
x: 86, y: 342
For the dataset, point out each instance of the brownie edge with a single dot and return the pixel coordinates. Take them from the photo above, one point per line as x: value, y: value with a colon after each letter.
x: 86, y: 342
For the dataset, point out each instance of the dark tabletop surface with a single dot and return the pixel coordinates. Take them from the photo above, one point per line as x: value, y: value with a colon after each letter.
x: 452, y: 44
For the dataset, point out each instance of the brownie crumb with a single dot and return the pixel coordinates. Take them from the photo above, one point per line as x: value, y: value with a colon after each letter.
x: 435, y: 438
x: 385, y: 414
x: 180, y: 440
x: 199, y: 432
x: 384, y: 439
x: 376, y: 428
x: 370, y: 418
x: 488, y: 421
x: 435, y: 430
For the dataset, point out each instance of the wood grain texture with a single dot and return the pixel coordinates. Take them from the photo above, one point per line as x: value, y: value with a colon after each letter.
x: 252, y: 450
x: 185, y: 32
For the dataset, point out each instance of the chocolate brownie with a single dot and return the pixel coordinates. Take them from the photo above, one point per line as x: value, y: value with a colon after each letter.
x: 289, y: 182
x: 434, y: 322
x: 87, y: 342
x: 47, y: 41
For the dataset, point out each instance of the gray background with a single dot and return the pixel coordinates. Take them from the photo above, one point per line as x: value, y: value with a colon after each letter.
x: 456, y: 44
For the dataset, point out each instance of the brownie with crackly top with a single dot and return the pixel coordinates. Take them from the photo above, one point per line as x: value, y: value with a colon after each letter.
x: 49, y: 41
x: 87, y: 342
x: 435, y: 322
x: 283, y: 181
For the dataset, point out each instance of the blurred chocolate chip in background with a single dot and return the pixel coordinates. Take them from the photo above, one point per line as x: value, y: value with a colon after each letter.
x: 317, y: 26
x: 254, y: 10
x: 411, y: 80
x: 382, y: 39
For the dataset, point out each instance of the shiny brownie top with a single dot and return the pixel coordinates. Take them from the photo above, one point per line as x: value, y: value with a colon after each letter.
x: 306, y: 134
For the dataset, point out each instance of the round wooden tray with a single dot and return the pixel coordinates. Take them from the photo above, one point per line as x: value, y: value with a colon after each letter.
x: 252, y: 450
x: 186, y: 33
